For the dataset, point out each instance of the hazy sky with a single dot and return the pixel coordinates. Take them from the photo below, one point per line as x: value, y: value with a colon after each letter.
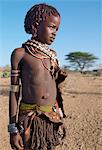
x: 80, y: 28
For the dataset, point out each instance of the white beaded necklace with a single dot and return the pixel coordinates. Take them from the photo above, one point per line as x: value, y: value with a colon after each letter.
x: 43, y: 48
x: 34, y: 48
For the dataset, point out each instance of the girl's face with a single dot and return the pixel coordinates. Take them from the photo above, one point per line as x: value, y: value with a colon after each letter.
x: 46, y: 30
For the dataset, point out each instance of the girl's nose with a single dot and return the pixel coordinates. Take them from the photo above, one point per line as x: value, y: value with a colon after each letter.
x: 54, y: 33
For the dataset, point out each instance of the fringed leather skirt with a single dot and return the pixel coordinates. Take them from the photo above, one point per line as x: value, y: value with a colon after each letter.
x: 42, y: 130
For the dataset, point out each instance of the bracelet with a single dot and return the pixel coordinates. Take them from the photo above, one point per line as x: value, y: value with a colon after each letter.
x: 12, y: 128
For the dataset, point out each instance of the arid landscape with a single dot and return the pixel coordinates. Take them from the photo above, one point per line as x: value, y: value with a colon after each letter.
x: 82, y: 96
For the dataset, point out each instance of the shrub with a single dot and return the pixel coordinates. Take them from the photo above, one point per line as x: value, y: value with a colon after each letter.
x: 6, y: 74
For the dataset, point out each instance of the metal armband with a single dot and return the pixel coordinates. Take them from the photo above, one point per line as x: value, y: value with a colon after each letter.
x: 14, y: 88
x: 15, y: 73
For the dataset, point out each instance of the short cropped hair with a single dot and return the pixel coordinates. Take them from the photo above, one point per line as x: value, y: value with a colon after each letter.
x: 38, y: 13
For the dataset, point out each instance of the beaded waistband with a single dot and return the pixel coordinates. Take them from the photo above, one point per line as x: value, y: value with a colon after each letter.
x: 35, y: 107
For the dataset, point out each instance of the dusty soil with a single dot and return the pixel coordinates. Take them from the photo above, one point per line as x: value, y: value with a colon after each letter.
x: 82, y: 96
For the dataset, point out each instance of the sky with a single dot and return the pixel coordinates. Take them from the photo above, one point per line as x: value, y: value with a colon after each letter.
x: 80, y: 28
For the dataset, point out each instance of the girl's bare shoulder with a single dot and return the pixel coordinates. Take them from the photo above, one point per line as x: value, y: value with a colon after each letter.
x: 17, y: 55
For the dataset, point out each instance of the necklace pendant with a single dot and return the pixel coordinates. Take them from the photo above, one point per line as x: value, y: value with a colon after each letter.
x: 52, y: 74
x: 52, y: 70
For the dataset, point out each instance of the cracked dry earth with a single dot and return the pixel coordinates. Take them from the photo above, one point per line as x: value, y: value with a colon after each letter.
x: 82, y: 96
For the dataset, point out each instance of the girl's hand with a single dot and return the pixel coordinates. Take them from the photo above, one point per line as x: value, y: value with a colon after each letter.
x: 16, y: 141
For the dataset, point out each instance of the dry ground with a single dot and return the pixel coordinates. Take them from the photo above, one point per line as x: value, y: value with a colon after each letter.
x: 82, y: 96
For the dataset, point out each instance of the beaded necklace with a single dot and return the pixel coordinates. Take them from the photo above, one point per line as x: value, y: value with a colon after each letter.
x: 42, y: 51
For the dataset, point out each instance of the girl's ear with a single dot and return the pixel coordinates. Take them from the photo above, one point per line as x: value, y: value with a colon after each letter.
x: 34, y: 29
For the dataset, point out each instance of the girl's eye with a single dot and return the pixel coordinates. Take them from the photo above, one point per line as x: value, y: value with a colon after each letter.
x: 51, y: 27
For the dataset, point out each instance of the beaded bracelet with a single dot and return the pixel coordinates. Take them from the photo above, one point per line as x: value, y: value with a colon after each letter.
x: 12, y: 128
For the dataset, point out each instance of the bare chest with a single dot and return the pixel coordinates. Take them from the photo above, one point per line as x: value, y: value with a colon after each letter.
x: 33, y: 66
